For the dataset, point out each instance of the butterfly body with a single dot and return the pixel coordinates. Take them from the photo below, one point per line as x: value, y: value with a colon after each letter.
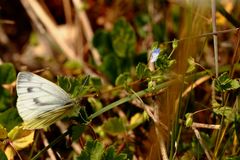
x: 40, y: 102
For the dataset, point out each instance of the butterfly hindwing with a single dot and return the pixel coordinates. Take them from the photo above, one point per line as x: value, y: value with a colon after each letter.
x: 38, y: 96
x: 45, y: 119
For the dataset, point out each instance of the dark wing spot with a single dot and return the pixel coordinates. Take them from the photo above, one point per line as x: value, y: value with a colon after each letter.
x: 30, y: 89
x: 36, y: 100
x: 68, y: 103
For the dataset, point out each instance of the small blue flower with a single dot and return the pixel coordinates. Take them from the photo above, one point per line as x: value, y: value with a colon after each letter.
x: 154, y: 55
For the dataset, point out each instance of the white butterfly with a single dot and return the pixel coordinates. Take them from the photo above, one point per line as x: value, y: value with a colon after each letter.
x: 40, y: 102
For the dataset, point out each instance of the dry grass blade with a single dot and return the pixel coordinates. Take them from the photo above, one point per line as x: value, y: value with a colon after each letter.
x: 87, y: 28
x: 50, y: 26
x: 201, y: 142
x: 46, y: 143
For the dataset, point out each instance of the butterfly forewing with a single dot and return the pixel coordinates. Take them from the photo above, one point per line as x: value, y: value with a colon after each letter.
x: 37, y: 96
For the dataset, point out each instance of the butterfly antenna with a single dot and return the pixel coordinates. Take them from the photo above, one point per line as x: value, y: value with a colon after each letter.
x: 83, y: 116
x: 78, y: 99
x: 84, y: 83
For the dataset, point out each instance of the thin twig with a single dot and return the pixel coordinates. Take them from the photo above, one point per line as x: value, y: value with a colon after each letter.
x: 203, y: 35
x: 58, y: 139
x: 46, y: 143
x: 190, y: 88
x: 63, y: 127
x: 139, y: 103
x: 149, y: 111
x: 144, y: 106
x: 162, y: 145
x: 202, y: 125
x: 12, y: 146
x: 67, y: 11
x: 6, y: 21
x: 195, y: 84
x: 33, y: 17
x: 87, y: 29
x: 206, y: 126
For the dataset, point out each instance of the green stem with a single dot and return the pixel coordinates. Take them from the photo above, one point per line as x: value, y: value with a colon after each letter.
x: 131, y: 97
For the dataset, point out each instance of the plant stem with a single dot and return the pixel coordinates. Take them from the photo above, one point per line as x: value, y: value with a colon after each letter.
x: 131, y: 97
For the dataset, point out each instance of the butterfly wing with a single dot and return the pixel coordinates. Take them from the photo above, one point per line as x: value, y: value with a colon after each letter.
x: 46, y: 119
x: 38, y: 96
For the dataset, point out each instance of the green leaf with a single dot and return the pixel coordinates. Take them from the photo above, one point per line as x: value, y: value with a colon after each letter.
x: 151, y: 84
x: 141, y: 21
x: 5, y: 99
x: 102, y: 41
x: 196, y: 148
x: 137, y: 119
x: 110, y: 154
x: 69, y: 83
x: 224, y: 83
x: 123, y: 79
x: 225, y: 111
x: 189, y: 119
x: 187, y: 155
x: 92, y: 151
x: 96, y: 82
x: 174, y: 44
x: 75, y: 86
x: 21, y: 138
x: 123, y: 38
x: 154, y: 46
x: 114, y: 126
x: 159, y: 31
x: 72, y: 64
x: 121, y: 156
x: 210, y: 143
x: 215, y: 104
x: 76, y: 131
x: 33, y: 40
x: 95, y: 103
x: 10, y: 118
x: 142, y: 71
x: 7, y: 73
x: 163, y: 63
x: 110, y: 67
x: 3, y: 133
x: 3, y: 155
x: 192, y: 65
x: 235, y: 84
